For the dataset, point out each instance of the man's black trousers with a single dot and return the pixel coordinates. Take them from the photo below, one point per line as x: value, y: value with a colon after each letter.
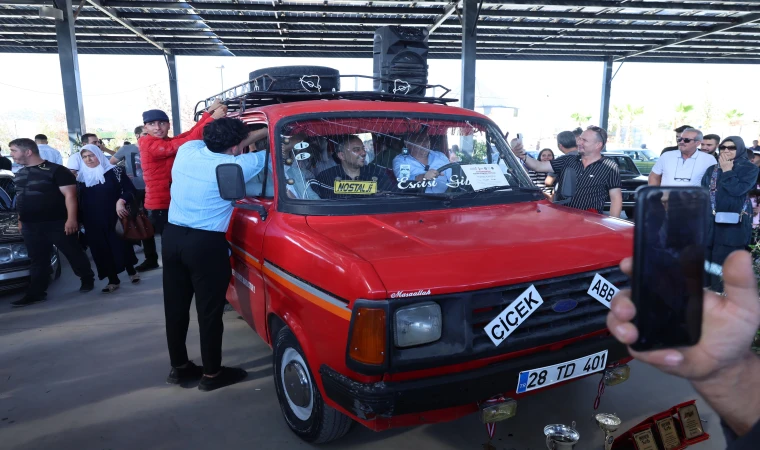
x: 158, y: 218
x: 196, y: 262
x: 39, y: 238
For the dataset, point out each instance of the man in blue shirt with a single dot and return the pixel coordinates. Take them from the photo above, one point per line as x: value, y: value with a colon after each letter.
x: 195, y: 250
x: 418, y: 166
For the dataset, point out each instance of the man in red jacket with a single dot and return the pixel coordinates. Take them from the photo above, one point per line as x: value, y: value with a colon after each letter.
x: 157, y: 153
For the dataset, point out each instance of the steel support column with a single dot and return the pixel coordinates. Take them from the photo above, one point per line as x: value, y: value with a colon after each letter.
x: 72, y: 88
x: 171, y: 62
x: 604, y: 113
x: 469, y: 39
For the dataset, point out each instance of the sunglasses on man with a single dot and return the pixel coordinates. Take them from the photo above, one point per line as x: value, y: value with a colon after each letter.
x: 687, y: 140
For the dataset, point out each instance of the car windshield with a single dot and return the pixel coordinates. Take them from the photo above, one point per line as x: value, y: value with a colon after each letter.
x: 365, y: 157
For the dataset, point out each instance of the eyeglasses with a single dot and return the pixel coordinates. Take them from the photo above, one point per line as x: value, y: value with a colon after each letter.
x: 687, y: 140
x: 727, y: 147
x: 676, y: 178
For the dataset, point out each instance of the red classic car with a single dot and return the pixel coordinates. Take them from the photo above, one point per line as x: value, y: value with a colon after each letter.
x: 392, y: 295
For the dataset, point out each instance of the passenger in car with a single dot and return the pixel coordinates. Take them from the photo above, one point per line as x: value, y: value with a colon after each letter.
x: 351, y: 155
x: 420, y: 164
x: 298, y: 165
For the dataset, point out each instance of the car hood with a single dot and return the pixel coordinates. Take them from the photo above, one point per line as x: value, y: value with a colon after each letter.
x: 9, y: 231
x: 466, y: 249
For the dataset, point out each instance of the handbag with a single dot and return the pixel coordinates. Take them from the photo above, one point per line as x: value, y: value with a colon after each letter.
x: 724, y: 217
x: 135, y: 227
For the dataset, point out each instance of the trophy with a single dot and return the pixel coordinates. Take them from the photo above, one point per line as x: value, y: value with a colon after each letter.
x: 609, y: 423
x: 561, y: 437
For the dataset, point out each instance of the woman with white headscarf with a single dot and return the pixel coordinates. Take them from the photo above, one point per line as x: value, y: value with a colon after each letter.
x: 105, y: 191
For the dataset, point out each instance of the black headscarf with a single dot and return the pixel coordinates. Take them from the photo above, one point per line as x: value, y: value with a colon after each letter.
x: 741, y: 150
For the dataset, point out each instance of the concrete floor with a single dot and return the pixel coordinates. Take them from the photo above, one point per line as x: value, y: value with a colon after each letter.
x: 86, y: 371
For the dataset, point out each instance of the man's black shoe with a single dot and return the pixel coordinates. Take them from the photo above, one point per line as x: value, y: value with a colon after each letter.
x: 226, y: 377
x: 191, y: 372
x: 26, y: 301
x: 146, y: 266
x: 87, y: 286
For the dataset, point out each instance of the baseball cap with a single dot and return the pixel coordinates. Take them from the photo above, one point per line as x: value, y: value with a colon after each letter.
x: 153, y: 115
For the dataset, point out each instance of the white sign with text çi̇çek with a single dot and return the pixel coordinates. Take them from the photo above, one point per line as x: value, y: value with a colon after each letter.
x: 515, y: 314
x: 482, y: 176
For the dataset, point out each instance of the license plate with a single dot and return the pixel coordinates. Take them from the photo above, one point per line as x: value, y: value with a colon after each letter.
x: 530, y: 380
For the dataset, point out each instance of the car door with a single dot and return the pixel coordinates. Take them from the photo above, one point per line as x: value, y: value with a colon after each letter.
x: 246, y: 237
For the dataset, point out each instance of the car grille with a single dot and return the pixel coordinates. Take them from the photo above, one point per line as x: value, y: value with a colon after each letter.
x: 545, y: 325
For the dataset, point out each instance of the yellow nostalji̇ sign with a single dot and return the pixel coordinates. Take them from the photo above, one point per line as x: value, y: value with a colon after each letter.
x: 355, y: 187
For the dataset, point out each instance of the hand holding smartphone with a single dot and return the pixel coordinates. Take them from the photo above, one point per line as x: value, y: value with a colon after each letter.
x: 670, y: 249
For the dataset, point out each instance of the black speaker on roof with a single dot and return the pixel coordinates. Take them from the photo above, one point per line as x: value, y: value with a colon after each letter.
x: 400, y: 56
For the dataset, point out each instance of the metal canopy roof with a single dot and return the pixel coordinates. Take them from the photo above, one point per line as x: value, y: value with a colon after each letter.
x: 575, y: 30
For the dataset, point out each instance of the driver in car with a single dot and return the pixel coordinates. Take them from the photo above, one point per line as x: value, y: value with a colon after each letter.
x: 351, y: 156
x: 420, y: 165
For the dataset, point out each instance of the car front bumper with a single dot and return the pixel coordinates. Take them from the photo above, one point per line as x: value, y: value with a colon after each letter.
x: 388, y: 399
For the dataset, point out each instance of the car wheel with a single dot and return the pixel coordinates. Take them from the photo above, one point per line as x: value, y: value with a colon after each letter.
x: 300, y: 400
x: 289, y: 78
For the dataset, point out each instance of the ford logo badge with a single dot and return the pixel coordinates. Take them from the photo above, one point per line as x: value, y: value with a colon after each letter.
x: 564, y: 306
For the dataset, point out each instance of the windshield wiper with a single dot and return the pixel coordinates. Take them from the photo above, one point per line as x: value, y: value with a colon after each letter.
x: 499, y: 188
x: 413, y: 194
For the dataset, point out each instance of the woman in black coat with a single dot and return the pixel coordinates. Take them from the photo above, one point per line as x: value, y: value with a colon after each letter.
x: 105, y: 191
x: 729, y: 182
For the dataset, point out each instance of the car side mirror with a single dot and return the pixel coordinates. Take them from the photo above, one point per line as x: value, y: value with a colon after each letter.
x: 231, y: 183
x: 229, y: 178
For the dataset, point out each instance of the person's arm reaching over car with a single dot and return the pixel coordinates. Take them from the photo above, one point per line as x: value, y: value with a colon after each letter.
x: 721, y: 367
x: 254, y: 136
x: 168, y: 147
x: 530, y: 163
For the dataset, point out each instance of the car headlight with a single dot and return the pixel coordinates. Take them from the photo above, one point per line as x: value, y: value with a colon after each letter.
x: 418, y: 324
x: 6, y: 254
x: 20, y: 251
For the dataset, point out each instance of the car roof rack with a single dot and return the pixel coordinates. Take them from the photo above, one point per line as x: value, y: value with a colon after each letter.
x: 251, y: 95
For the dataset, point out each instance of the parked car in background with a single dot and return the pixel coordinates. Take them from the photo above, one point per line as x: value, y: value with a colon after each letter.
x: 14, y: 258
x: 631, y: 178
x: 643, y: 158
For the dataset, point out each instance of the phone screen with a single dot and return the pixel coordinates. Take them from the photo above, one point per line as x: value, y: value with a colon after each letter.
x: 669, y: 259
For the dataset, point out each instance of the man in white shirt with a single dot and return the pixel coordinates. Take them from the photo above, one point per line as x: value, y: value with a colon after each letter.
x: 684, y: 167
x: 47, y: 152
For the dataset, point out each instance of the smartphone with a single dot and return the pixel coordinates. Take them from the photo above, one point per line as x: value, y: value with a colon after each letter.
x: 670, y: 249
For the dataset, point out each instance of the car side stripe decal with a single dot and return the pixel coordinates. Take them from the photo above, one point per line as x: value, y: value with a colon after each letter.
x: 245, y: 256
x: 315, y: 296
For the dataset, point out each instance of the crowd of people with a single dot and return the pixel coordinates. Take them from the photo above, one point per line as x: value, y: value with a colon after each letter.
x: 80, y: 206
x: 584, y: 178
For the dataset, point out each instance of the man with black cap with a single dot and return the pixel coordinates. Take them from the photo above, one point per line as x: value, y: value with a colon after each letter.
x: 157, y: 153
